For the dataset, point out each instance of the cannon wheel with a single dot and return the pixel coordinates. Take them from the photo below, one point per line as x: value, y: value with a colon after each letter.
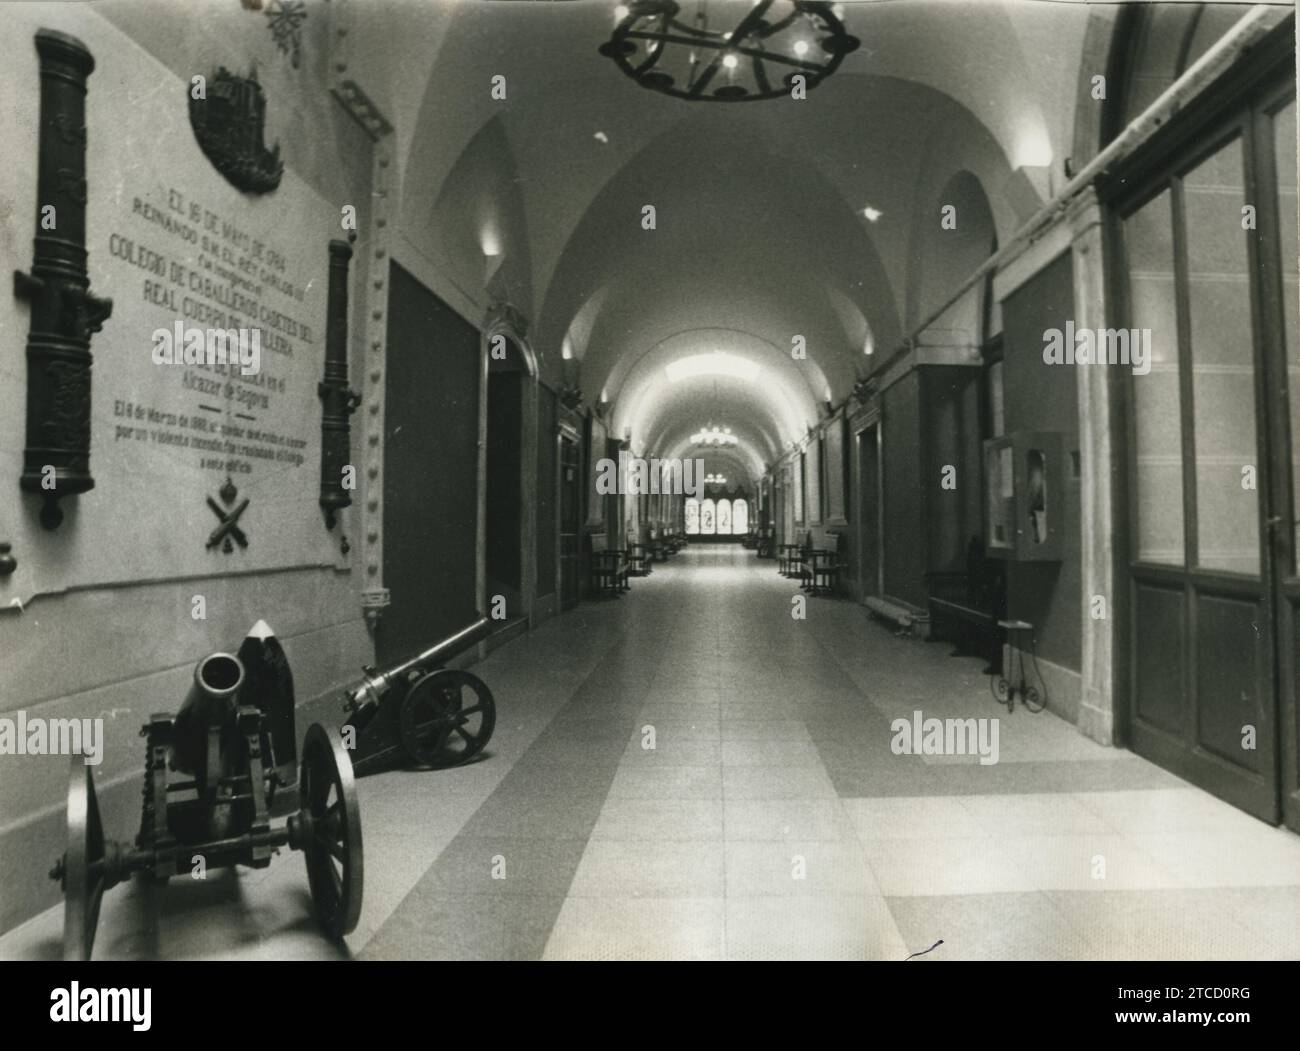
x: 83, y: 865
x: 328, y: 793
x: 438, y: 727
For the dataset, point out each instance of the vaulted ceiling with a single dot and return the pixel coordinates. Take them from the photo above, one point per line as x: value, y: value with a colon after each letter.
x: 760, y: 242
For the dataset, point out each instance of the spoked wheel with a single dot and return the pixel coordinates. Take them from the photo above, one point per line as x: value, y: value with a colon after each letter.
x: 331, y: 833
x: 447, y: 717
x: 82, y: 867
x: 1001, y: 690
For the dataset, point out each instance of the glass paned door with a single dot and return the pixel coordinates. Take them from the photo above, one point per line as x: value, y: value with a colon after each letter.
x: 1223, y: 367
x: 1148, y: 238
x: 1201, y: 673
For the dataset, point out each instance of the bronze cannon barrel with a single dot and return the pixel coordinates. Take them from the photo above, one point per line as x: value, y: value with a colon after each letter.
x: 210, y: 702
x: 64, y: 314
x: 338, y: 400
x: 376, y: 683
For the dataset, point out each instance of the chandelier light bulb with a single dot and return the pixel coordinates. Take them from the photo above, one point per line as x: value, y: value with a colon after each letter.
x: 714, y: 435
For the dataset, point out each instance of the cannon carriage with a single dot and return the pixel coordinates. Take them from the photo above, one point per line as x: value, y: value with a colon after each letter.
x: 212, y: 776
x: 420, y: 710
x: 217, y: 773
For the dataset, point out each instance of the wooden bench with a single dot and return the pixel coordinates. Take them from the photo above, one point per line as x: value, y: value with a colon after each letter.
x: 965, y: 607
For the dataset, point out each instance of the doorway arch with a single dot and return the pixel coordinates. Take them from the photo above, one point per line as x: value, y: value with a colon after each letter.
x: 508, y: 459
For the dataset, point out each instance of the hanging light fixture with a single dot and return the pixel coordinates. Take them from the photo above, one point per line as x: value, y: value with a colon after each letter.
x: 711, y: 435
x: 715, y: 479
x: 757, y: 57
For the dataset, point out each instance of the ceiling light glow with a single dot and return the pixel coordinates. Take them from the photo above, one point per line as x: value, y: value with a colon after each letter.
x: 713, y: 364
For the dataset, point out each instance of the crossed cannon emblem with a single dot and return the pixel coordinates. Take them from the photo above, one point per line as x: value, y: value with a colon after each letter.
x: 228, y: 527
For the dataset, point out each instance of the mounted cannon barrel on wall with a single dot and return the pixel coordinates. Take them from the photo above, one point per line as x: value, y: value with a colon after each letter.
x: 223, y: 743
x: 338, y: 400
x: 56, y: 461
x: 435, y: 716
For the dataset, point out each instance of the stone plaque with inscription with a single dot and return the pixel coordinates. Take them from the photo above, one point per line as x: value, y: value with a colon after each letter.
x: 194, y: 268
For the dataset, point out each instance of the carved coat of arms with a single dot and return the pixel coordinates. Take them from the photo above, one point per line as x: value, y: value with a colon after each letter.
x: 228, y: 124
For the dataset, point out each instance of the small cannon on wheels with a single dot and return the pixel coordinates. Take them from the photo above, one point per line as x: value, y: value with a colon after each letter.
x: 435, y: 716
x: 233, y: 745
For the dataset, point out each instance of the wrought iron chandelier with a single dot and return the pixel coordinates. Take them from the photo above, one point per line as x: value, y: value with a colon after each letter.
x: 715, y: 479
x: 762, y: 56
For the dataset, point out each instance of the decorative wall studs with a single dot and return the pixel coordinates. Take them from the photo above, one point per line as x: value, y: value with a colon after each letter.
x: 56, y: 461
x: 367, y: 114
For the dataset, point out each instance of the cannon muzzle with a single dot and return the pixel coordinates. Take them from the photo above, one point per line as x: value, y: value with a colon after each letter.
x: 211, y: 702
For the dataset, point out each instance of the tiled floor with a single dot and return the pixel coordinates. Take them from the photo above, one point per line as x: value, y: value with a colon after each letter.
x: 689, y: 773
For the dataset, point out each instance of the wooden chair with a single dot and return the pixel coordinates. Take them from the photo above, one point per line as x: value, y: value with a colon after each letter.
x: 609, y: 568
x: 800, y: 557
x: 638, y: 560
x: 827, y: 565
x: 786, y: 554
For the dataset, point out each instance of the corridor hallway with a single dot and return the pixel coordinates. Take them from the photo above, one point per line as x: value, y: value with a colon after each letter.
x: 771, y: 754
